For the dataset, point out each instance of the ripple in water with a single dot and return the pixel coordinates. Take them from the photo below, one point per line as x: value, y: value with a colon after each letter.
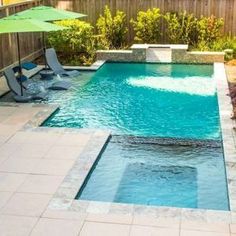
x: 203, y: 86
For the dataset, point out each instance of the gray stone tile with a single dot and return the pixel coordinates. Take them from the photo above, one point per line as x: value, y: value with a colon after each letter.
x: 119, y: 208
x: 79, y: 206
x: 60, y: 204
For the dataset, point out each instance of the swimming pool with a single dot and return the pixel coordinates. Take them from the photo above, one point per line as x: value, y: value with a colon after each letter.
x: 170, y: 100
x: 150, y: 102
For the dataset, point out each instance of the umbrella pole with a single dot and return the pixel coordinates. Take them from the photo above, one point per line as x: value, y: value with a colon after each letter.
x: 44, y: 52
x: 19, y: 59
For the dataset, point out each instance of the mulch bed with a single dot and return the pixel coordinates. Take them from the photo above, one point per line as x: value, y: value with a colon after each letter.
x: 232, y: 94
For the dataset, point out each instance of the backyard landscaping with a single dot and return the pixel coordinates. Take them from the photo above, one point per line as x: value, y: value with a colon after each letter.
x: 78, y: 44
x: 117, y: 124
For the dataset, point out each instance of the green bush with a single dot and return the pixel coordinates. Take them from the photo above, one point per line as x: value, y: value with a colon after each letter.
x: 111, y: 30
x: 147, y: 26
x: 181, y: 27
x: 208, y: 31
x: 75, y: 45
x: 225, y: 43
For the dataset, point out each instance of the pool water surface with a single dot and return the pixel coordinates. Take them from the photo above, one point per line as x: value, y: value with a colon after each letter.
x: 161, y: 175
x: 169, y: 100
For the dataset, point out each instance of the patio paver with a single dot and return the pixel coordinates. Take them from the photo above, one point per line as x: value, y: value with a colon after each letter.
x: 16, y: 225
x: 26, y: 204
x: 201, y: 233
x: 57, y: 227
x: 63, y: 152
x: 4, y: 198
x: 137, y: 230
x: 21, y: 165
x: 104, y: 229
x: 52, y: 167
x: 11, y: 181
x: 200, y: 226
x: 43, y: 184
x: 110, y: 218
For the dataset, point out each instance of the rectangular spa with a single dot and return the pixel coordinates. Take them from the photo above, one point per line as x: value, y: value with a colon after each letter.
x: 190, y: 176
x: 172, y: 110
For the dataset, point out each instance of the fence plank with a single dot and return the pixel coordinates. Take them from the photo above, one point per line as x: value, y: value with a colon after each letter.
x: 220, y: 8
x: 93, y: 8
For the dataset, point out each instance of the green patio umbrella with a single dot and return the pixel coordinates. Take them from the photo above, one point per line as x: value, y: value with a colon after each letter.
x: 48, y: 13
x: 23, y: 25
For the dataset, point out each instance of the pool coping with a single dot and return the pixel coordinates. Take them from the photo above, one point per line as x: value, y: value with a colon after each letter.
x: 227, y: 131
x: 64, y: 198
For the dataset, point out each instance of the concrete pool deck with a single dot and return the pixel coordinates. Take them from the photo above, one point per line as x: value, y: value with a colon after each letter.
x: 36, y: 179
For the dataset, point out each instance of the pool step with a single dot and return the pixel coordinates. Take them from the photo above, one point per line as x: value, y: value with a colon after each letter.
x: 167, y: 141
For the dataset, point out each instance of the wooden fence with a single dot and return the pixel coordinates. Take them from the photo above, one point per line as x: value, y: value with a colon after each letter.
x: 93, y: 8
x: 225, y: 9
x: 29, y: 42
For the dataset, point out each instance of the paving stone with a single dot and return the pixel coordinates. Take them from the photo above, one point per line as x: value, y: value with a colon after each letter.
x: 20, y: 165
x: 64, y: 152
x: 26, y: 204
x: 102, y: 229
x: 156, y: 221
x: 52, y: 167
x: 16, y: 225
x: 44, y: 184
x: 137, y: 230
x: 64, y: 214
x: 201, y: 233
x: 110, y: 218
x: 11, y: 181
x: 4, y: 198
x: 212, y: 227
x: 57, y: 227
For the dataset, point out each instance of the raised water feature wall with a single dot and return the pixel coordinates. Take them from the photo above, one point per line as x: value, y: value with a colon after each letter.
x: 165, y: 53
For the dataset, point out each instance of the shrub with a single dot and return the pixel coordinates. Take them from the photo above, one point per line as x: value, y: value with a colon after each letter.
x: 209, y: 31
x: 223, y: 44
x: 75, y: 45
x: 112, y: 30
x: 147, y: 26
x: 181, y: 28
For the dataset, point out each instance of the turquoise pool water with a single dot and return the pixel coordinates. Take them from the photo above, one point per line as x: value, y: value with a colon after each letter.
x: 169, y: 100
x: 151, y: 103
x: 162, y: 175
